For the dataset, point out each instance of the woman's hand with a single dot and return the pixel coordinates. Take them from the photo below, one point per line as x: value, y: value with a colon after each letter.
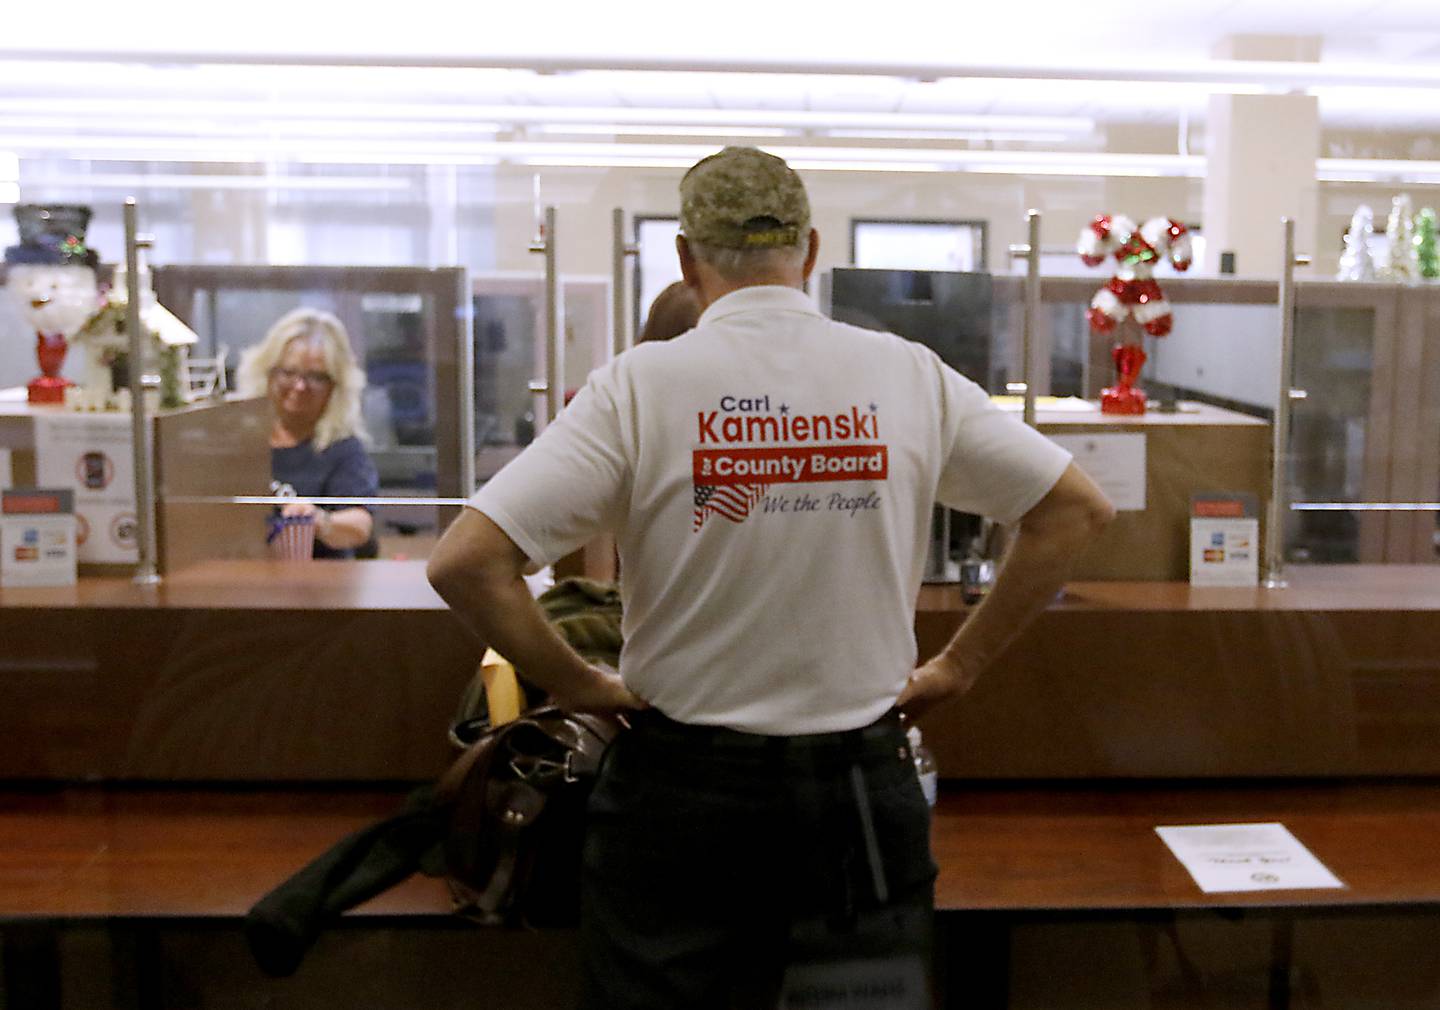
x: 341, y: 529
x: 300, y: 507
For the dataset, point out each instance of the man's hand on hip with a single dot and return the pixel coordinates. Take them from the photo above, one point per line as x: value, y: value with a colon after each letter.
x: 938, y: 680
x: 604, y: 691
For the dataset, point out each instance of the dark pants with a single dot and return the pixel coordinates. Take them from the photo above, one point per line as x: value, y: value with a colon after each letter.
x: 727, y: 869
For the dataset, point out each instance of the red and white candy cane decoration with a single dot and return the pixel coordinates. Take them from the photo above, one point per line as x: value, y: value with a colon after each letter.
x: 1133, y: 291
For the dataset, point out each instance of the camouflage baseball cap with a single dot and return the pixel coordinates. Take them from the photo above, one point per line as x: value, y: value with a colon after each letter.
x: 743, y: 198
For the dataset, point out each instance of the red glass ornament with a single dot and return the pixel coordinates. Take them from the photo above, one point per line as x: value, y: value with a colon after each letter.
x: 1125, y: 397
x: 49, y: 387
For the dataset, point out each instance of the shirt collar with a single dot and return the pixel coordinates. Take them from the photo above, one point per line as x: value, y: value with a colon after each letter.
x: 759, y: 298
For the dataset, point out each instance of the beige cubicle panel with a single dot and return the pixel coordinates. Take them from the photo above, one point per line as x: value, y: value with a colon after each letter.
x: 1200, y: 450
x: 213, y: 450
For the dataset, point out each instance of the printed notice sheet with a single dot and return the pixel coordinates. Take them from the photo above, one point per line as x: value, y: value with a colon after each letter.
x: 1115, y: 462
x: 1246, y: 857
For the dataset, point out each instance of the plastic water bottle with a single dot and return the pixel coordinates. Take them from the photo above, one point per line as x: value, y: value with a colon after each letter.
x: 925, y: 765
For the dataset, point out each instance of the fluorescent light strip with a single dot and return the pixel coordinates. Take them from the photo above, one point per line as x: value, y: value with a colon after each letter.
x: 802, y: 165
x: 110, y: 110
x: 192, y: 129
x: 1376, y: 179
x: 1038, y: 137
x: 1389, y: 171
x: 243, y: 182
x: 622, y: 130
x: 442, y: 152
x: 1106, y: 171
x: 411, y: 152
x: 488, y: 152
x: 1214, y: 72
x: 601, y: 161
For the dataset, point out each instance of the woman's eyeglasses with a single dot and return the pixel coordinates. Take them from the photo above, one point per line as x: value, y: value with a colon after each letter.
x: 292, y: 377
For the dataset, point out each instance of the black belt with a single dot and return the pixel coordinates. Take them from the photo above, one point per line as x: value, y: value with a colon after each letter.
x: 883, y: 732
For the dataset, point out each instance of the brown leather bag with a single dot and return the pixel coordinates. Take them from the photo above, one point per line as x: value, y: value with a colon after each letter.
x: 516, y: 799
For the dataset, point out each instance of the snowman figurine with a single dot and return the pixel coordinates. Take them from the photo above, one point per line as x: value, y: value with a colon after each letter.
x: 51, y: 277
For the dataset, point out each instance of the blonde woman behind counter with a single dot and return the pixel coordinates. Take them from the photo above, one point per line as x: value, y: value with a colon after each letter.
x: 306, y: 369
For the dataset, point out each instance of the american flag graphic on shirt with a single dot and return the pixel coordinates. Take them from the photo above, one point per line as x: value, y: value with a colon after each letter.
x: 728, y: 501
x: 745, y: 448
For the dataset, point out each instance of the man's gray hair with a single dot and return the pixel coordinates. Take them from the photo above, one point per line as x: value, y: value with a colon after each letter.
x: 749, y: 264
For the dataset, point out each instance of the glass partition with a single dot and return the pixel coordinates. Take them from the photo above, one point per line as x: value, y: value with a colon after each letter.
x: 1363, y: 459
x: 509, y: 313
x: 408, y: 331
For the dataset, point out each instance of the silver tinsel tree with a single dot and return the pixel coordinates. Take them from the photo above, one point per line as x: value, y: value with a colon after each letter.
x: 1403, y: 263
x: 1357, y: 263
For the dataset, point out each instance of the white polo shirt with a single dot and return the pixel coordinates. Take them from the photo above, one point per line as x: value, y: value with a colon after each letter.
x: 770, y: 478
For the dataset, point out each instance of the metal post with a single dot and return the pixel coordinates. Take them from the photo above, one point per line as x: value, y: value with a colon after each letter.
x: 143, y: 447
x: 553, y: 385
x: 1030, y: 252
x: 1274, y: 574
x: 621, y: 248
x: 465, y: 375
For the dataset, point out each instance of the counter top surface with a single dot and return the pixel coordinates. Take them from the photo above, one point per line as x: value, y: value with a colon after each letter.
x: 401, y: 585
x: 1311, y: 587
x: 146, y: 853
x: 1088, y: 847
x: 250, y: 585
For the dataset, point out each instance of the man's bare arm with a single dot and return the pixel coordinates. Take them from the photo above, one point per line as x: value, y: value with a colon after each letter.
x: 479, y: 570
x: 1050, y: 536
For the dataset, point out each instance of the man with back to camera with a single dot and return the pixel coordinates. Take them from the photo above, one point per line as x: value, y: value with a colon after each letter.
x: 770, y: 477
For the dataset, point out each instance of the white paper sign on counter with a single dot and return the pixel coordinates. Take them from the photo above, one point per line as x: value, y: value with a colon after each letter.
x: 93, y: 453
x: 1116, y: 462
x: 1246, y: 857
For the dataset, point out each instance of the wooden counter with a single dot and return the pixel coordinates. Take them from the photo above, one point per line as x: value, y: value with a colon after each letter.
x: 233, y: 670
x: 1337, y: 675
x: 350, y: 671
x: 1047, y: 897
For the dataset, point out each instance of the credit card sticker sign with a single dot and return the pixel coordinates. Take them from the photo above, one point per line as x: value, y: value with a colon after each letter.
x: 37, y: 537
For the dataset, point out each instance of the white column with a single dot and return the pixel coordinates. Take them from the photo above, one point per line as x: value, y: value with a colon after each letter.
x: 1260, y: 164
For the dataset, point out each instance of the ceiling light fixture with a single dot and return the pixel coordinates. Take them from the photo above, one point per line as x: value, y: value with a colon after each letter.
x: 1219, y: 73
x: 112, y: 110
x: 659, y: 130
x: 135, y: 181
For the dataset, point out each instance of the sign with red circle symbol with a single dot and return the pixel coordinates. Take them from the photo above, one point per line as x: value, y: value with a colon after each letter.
x: 94, y: 470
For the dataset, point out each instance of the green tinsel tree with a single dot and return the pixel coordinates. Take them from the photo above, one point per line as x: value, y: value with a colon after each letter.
x: 1425, y: 246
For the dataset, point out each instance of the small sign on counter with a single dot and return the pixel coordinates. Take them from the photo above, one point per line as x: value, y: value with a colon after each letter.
x: 1224, y: 539
x: 7, y: 476
x: 94, y: 454
x: 1246, y: 857
x: 37, y: 537
x: 1116, y: 462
